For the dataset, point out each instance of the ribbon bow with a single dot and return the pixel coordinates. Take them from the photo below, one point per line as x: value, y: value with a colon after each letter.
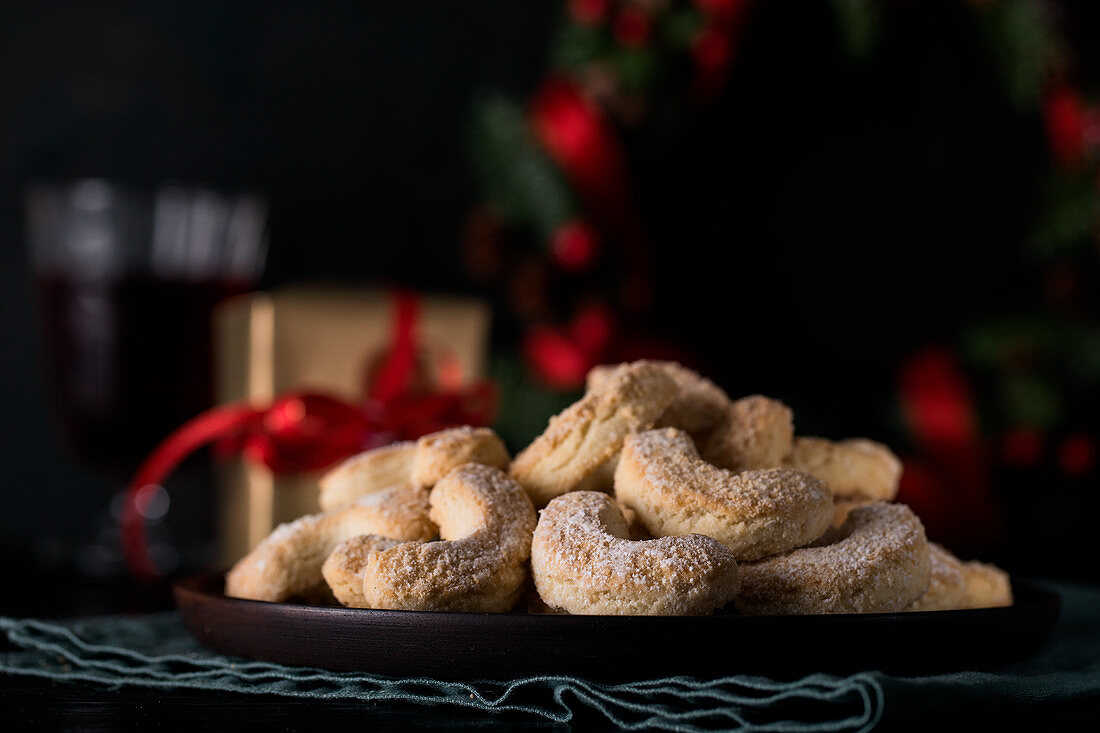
x: 308, y: 431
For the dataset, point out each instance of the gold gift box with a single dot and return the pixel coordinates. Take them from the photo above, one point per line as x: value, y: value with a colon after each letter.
x: 324, y: 340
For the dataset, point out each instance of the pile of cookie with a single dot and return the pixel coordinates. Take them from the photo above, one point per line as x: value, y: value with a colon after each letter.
x: 657, y: 495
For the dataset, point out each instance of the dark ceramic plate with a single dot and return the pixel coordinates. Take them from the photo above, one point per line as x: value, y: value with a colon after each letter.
x: 509, y: 645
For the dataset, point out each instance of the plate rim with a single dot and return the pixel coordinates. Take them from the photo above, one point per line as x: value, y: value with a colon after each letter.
x: 466, y: 645
x: 198, y: 584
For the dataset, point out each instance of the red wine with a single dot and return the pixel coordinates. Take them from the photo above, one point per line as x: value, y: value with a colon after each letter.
x: 130, y: 359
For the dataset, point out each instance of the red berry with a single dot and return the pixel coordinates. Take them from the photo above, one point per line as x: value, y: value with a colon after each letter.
x: 721, y: 10
x: 592, y: 328
x: 1076, y: 455
x: 631, y: 27
x: 574, y: 245
x: 711, y: 50
x: 1064, y: 112
x: 555, y: 359
x: 588, y: 12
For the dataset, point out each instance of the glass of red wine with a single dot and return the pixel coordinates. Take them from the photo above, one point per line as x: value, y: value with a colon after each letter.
x: 127, y: 281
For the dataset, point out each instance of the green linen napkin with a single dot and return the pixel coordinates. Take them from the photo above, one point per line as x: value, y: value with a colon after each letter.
x: 156, y: 652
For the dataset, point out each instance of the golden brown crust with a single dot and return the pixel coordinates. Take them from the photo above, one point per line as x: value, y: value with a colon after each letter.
x: 422, y: 462
x: 343, y: 570
x: 755, y: 513
x: 365, y: 473
x: 602, y: 479
x: 438, y: 453
x: 636, y: 530
x: 584, y: 562
x: 756, y: 432
x: 987, y: 586
x: 599, y: 375
x: 855, y: 469
x: 588, y: 433
x: 486, y: 521
x: 947, y: 586
x: 843, y: 507
x: 288, y: 562
x: 880, y: 563
x: 963, y: 585
x: 699, y: 407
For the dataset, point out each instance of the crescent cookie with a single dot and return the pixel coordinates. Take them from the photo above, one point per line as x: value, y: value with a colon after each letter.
x: 602, y: 479
x: 422, y: 462
x: 438, y: 453
x: 853, y: 469
x: 947, y: 585
x: 754, y: 513
x: 756, y: 432
x: 288, y: 562
x: 634, y: 527
x: 987, y: 586
x: 367, y: 472
x: 699, y: 407
x: 344, y: 568
x: 486, y: 521
x: 584, y: 561
x: 879, y: 563
x: 843, y: 507
x: 589, y: 432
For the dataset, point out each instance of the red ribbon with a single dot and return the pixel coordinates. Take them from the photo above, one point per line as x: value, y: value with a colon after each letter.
x: 304, y: 431
x: 396, y: 372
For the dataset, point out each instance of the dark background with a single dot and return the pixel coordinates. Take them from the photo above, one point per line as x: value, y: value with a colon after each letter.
x: 823, y: 221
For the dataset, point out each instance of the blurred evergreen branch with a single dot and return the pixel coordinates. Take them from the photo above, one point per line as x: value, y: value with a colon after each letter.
x: 524, y: 403
x: 1069, y: 216
x: 577, y: 46
x: 1037, y: 364
x: 1022, y: 39
x: 859, y: 23
x: 523, y: 184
